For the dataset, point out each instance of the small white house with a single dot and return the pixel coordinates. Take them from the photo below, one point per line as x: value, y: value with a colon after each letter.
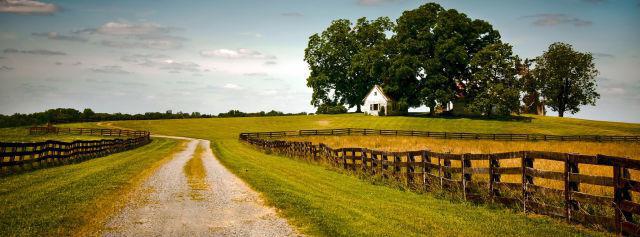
x: 376, y: 101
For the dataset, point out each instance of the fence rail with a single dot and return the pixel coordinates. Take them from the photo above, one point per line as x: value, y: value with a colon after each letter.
x: 425, y: 169
x: 88, y: 131
x: 445, y: 135
x: 20, y: 156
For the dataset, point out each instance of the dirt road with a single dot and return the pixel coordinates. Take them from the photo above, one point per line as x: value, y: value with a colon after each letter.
x: 194, y: 195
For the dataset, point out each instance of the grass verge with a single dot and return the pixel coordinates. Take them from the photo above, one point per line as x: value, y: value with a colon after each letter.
x: 76, y: 199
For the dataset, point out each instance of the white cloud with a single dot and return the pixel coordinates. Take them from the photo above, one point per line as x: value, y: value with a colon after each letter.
x: 252, y: 34
x: 27, y: 7
x: 232, y: 86
x: 375, y: 2
x: 59, y: 36
x: 554, y: 19
x: 111, y: 69
x: 162, y: 62
x: 256, y: 74
x: 148, y: 35
x: 241, y: 53
x: 133, y: 29
x: 35, y: 52
x: 5, y: 69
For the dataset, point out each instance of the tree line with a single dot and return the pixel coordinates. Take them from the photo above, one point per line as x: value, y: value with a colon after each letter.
x: 434, y: 56
x: 68, y: 115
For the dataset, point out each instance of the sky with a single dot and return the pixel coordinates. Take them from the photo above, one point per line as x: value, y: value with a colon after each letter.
x: 213, y: 56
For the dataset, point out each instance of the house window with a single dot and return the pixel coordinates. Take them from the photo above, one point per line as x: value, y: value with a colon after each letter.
x: 375, y: 107
x: 375, y: 93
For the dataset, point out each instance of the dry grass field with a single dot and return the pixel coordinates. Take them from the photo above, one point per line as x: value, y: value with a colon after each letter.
x: 393, y: 143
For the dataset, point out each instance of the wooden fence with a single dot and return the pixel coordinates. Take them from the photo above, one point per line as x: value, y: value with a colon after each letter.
x: 20, y: 156
x: 445, y: 135
x: 88, y: 131
x: 486, y: 181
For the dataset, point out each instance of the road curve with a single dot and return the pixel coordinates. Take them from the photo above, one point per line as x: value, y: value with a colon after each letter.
x: 169, y: 204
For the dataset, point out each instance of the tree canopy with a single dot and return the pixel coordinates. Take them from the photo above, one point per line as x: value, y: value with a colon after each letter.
x: 434, y: 56
x: 345, y: 60
x: 567, y: 77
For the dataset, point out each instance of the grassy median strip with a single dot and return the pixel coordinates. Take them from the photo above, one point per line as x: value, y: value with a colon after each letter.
x: 196, y: 175
x: 76, y: 199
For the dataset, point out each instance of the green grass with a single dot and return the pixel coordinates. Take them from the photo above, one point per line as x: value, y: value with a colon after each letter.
x: 327, y: 203
x: 21, y: 134
x: 77, y: 198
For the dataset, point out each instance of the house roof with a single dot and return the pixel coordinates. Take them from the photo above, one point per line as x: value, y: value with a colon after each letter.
x: 381, y: 93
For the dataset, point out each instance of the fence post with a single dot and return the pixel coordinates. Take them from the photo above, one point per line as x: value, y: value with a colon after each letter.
x: 494, y: 177
x: 621, y: 194
x: 410, y: 168
x: 363, y: 159
x: 447, y: 172
x: 425, y: 170
x: 527, y: 162
x: 440, y: 171
x: 467, y: 171
x: 570, y: 167
x: 617, y: 188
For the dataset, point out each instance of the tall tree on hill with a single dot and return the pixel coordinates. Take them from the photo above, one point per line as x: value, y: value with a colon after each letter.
x: 346, y: 61
x: 494, y: 85
x: 437, y: 46
x: 568, y: 78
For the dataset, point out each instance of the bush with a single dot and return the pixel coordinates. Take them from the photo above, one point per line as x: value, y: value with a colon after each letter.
x: 381, y: 111
x: 331, y: 109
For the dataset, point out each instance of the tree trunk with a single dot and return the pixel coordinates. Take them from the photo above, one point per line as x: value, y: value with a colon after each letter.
x: 561, y: 113
x: 358, y: 110
x: 432, y: 110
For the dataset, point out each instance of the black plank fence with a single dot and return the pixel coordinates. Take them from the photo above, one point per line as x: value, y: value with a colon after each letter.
x: 490, y: 180
x: 20, y: 156
x: 445, y: 135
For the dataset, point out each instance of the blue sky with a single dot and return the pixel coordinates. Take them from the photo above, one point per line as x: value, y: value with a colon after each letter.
x: 212, y: 56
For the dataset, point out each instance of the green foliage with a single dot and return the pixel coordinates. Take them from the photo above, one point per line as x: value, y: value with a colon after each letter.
x: 346, y: 61
x: 329, y: 108
x: 494, y: 86
x: 423, y: 63
x: 568, y: 78
x: 382, y: 111
x: 531, y: 87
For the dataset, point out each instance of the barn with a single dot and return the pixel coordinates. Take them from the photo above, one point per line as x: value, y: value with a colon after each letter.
x: 376, y: 102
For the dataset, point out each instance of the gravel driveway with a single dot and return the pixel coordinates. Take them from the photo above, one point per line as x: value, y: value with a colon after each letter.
x: 169, y: 206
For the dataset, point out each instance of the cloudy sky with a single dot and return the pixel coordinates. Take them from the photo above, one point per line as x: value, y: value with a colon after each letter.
x: 212, y: 56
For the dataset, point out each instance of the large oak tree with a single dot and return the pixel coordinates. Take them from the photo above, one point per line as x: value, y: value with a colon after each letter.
x: 346, y: 60
x: 567, y: 78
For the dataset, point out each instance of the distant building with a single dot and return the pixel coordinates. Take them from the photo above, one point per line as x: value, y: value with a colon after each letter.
x: 376, y: 102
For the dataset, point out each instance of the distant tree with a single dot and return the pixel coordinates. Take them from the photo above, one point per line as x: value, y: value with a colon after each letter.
x: 88, y: 114
x: 568, y: 78
x: 330, y: 108
x: 494, y: 85
x: 344, y: 61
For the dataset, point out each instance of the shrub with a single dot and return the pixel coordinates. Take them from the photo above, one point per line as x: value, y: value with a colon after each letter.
x: 331, y: 109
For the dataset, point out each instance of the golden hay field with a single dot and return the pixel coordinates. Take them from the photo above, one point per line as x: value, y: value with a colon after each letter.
x: 392, y: 143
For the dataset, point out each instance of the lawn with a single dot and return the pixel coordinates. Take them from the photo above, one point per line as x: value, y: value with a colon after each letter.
x: 21, y: 134
x: 76, y: 199
x: 323, y: 202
